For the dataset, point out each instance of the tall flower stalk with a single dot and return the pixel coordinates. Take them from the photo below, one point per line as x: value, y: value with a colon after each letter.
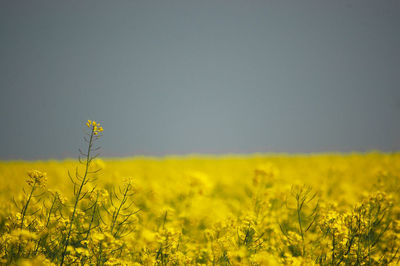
x: 36, y: 179
x: 95, y: 129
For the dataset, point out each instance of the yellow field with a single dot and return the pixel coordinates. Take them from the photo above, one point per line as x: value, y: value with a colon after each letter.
x: 259, y: 210
x: 326, y: 209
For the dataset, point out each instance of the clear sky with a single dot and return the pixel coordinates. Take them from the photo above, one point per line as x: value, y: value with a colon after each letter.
x: 209, y: 76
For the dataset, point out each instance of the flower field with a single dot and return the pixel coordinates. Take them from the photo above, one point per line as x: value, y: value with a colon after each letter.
x: 328, y: 209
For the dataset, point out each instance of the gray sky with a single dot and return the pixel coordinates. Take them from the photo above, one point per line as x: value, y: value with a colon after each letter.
x: 177, y: 77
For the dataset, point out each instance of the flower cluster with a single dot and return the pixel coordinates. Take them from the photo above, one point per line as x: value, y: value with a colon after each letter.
x: 94, y: 126
x: 36, y: 177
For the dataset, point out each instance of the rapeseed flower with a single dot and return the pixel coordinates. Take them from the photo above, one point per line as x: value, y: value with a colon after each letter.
x: 36, y: 177
x: 94, y: 126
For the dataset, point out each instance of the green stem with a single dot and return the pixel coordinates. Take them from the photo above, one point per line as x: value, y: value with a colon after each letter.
x: 51, y: 209
x: 333, y: 248
x: 300, y: 226
x: 119, y: 208
x: 77, y: 198
x: 369, y: 237
x: 92, y: 219
x: 47, y: 224
x: 24, y: 213
x: 26, y: 205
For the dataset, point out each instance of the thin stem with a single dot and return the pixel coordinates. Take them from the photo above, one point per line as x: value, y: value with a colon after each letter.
x: 24, y: 213
x: 93, y: 215
x: 369, y: 237
x: 26, y: 205
x: 51, y: 209
x: 78, y: 197
x: 333, y: 248
x: 300, y: 226
x: 47, y: 224
x: 119, y: 208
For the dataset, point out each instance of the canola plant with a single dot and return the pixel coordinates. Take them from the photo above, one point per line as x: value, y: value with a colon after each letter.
x: 324, y: 209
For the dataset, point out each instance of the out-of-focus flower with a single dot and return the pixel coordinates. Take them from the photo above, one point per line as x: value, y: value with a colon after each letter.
x: 36, y: 177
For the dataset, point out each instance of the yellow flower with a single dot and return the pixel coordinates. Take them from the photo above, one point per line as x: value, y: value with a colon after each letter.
x: 94, y: 126
x: 36, y: 177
